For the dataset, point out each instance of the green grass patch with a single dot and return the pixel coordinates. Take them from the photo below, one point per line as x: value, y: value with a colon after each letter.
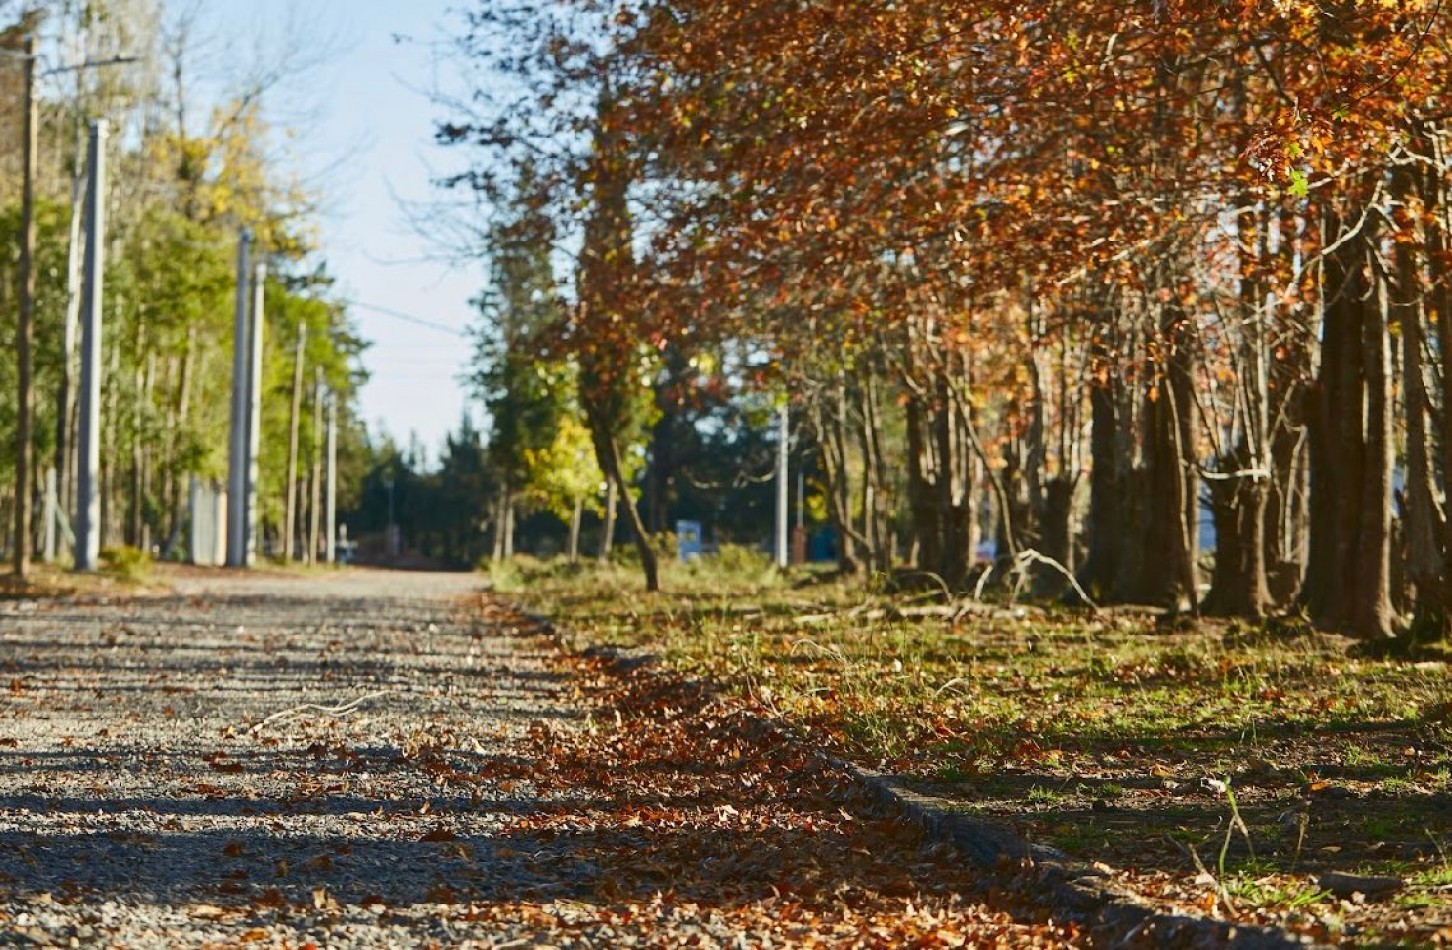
x: 1107, y: 735
x: 126, y: 563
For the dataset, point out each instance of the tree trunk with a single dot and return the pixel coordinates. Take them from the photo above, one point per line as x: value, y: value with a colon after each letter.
x: 922, y: 490
x: 503, y: 502
x: 1438, y: 242
x: 1238, y: 585
x: 608, y: 453
x: 577, y: 514
x: 1171, y: 575
x: 1422, y: 516
x: 1104, y: 523
x: 1288, y: 512
x: 132, y: 534
x: 182, y: 412
x: 1373, y: 617
x: 607, y: 533
x: 1347, y: 585
x: 828, y: 415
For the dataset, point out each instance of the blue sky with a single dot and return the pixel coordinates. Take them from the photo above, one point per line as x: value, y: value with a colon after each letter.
x: 363, y: 123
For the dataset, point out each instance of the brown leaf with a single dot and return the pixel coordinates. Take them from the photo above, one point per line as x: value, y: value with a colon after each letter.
x: 442, y: 894
x: 271, y: 897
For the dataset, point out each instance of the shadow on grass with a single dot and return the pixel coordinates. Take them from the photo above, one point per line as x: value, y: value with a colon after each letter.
x: 672, y: 795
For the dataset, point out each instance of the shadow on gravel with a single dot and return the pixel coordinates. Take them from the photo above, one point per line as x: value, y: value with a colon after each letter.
x: 243, y: 865
x: 665, y: 793
x: 681, y: 800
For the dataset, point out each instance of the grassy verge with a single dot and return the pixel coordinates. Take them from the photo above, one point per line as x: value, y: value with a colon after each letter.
x: 1225, y: 765
x: 124, y: 568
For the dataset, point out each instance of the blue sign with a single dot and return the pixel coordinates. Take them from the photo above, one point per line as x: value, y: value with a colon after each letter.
x: 688, y: 540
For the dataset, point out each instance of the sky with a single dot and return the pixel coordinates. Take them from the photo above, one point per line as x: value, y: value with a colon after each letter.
x: 362, y: 121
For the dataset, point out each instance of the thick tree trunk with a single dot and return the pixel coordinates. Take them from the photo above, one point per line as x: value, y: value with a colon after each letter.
x: 1422, y: 516
x: 503, y: 523
x: 1239, y: 585
x: 1347, y: 584
x: 1373, y: 617
x: 1104, y: 522
x: 1241, y: 497
x: 1056, y: 538
x: 1171, y: 575
x: 1438, y: 240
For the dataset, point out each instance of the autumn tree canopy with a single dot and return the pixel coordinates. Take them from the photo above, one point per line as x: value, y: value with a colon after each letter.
x: 1081, y: 279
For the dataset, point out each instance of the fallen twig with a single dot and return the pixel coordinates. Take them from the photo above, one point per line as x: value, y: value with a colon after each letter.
x: 340, y: 710
x: 1220, y: 890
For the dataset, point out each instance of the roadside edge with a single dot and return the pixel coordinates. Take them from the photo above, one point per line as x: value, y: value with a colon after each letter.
x: 1065, y: 885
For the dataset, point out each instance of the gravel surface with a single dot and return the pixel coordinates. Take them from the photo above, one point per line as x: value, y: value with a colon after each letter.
x: 372, y: 759
x: 269, y: 759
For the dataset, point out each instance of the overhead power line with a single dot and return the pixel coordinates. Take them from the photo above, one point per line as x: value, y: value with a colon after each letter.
x: 406, y: 317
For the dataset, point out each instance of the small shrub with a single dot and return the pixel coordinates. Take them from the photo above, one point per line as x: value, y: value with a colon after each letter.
x: 126, y: 563
x: 741, y: 561
x: 505, y: 576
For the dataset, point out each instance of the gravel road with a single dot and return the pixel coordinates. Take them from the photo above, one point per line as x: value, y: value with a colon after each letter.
x: 366, y: 760
x: 267, y: 759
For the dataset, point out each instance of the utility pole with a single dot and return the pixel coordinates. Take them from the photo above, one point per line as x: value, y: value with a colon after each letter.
x: 254, y: 410
x: 88, y: 456
x: 290, y: 517
x: 783, y: 485
x: 330, y: 545
x: 25, y: 332
x: 237, y: 453
x: 315, y: 496
x: 65, y: 445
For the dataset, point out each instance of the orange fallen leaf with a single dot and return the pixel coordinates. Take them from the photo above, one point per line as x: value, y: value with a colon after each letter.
x: 271, y: 897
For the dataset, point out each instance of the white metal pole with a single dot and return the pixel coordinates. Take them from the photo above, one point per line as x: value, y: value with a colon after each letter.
x: 783, y: 486
x: 237, y: 455
x: 88, y: 454
x: 331, y: 507
x: 195, y: 534
x: 254, y: 411
x: 50, y: 517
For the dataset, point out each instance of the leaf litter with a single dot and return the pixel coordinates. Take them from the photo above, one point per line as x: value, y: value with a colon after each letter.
x: 491, y: 792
